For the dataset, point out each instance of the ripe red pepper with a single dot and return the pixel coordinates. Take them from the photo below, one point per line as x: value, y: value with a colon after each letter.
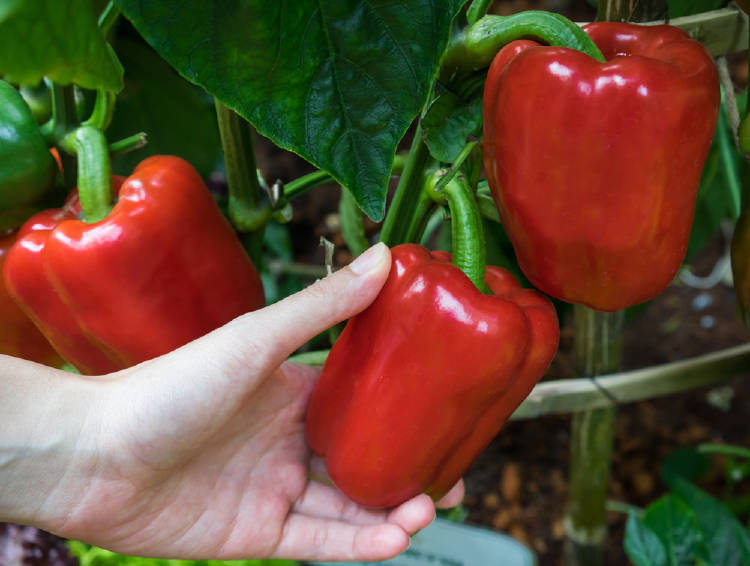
x: 594, y: 167
x: 163, y: 268
x: 18, y: 335
x: 418, y: 384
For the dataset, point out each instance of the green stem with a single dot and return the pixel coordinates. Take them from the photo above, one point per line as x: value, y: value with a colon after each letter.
x: 477, y: 9
x: 466, y: 225
x: 300, y: 186
x: 104, y: 109
x: 727, y: 152
x: 94, y: 171
x: 421, y: 216
x: 108, y: 18
x: 474, y: 48
x: 352, y: 226
x: 64, y: 120
x: 407, y: 195
x: 597, y: 351
x: 131, y: 143
x: 725, y: 450
x: 316, y: 358
x: 248, y: 211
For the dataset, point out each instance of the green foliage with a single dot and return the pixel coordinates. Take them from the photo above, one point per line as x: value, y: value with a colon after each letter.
x: 642, y: 544
x: 57, y: 40
x: 686, y: 526
x: 718, y: 194
x: 336, y: 81
x: 680, y: 8
x: 448, y: 122
x: 178, y: 117
x: 278, y: 247
x: 93, y: 556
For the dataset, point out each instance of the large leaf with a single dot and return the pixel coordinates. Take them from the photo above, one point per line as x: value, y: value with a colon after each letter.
x: 680, y: 8
x: 448, y: 122
x: 727, y: 541
x: 642, y: 545
x: 178, y: 117
x: 59, y: 40
x: 677, y: 527
x: 336, y: 81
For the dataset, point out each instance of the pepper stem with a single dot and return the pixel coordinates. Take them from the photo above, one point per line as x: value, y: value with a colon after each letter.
x: 475, y: 47
x: 466, y: 225
x: 104, y: 110
x: 247, y: 209
x: 94, y: 170
x: 407, y: 195
x: 64, y: 119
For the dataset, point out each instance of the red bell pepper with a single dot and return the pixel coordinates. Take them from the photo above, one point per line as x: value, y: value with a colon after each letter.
x: 419, y: 383
x: 18, y: 335
x: 163, y: 268
x: 594, y: 167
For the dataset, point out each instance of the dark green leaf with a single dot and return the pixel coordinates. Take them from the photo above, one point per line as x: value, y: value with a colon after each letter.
x: 336, y: 81
x: 714, y: 202
x: 178, y: 117
x: 448, y: 122
x: 727, y: 541
x: 680, y: 8
x: 688, y: 463
x: 642, y: 545
x: 677, y: 528
x: 7, y: 7
x: 59, y: 40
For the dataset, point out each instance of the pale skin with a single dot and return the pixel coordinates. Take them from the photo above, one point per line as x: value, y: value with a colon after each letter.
x: 199, y: 453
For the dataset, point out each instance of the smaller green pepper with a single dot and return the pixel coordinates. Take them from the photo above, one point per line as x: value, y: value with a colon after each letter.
x: 27, y: 169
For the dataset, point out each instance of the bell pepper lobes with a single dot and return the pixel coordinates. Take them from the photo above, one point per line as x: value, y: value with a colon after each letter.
x: 19, y: 336
x: 418, y: 383
x: 161, y: 269
x: 27, y: 170
x: 594, y: 167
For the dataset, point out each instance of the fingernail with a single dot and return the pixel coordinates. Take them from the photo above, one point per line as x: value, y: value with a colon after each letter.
x: 368, y: 260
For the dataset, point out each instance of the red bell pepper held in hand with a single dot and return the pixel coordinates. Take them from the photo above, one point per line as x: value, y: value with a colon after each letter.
x: 594, y: 167
x: 418, y: 384
x: 163, y: 268
x: 18, y: 335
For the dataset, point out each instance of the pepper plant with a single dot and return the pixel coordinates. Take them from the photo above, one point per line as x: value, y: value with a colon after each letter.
x: 579, y: 149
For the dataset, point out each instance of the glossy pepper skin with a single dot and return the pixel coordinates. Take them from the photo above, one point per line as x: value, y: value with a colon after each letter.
x: 27, y: 170
x: 163, y: 268
x: 594, y: 167
x: 19, y: 336
x: 418, y: 384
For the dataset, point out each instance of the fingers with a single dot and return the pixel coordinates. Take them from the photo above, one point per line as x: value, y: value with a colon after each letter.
x: 325, y: 525
x: 326, y: 501
x: 313, y: 538
x: 286, y: 325
x: 413, y: 515
x: 453, y: 497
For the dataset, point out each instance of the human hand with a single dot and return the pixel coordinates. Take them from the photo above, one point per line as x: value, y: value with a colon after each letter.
x: 201, y: 453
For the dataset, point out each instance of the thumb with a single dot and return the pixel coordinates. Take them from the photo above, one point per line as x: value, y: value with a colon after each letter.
x: 279, y: 329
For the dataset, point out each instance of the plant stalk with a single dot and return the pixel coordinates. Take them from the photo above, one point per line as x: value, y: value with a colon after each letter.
x: 408, y: 190
x: 248, y: 210
x: 597, y: 351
